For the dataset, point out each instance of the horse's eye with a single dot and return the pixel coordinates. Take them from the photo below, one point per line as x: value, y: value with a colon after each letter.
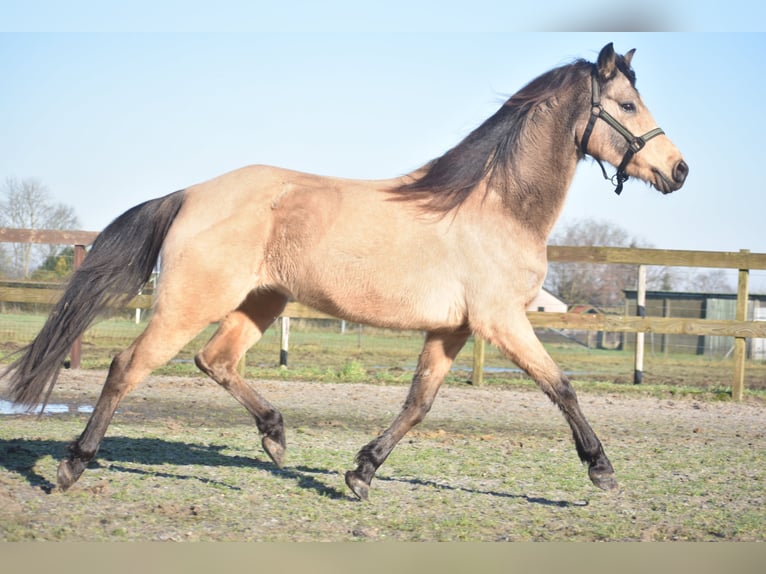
x: 628, y: 107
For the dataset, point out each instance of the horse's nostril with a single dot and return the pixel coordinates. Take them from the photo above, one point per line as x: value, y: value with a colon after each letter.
x: 680, y: 171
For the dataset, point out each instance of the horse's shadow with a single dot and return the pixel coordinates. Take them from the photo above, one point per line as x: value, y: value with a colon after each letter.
x: 22, y: 456
x: 116, y: 454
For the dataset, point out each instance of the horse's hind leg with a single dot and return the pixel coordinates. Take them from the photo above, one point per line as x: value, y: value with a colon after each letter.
x: 435, y: 360
x: 523, y: 347
x: 239, y: 331
x: 159, y: 343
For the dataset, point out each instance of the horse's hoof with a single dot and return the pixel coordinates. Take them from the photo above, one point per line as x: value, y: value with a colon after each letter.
x: 358, y: 486
x: 275, y: 451
x: 603, y: 480
x: 66, y: 475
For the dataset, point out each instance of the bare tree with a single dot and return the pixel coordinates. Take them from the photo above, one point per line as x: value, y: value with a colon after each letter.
x: 709, y: 281
x: 27, y: 204
x: 5, y: 261
x: 598, y: 284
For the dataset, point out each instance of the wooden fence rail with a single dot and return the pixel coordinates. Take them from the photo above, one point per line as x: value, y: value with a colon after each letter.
x: 739, y: 328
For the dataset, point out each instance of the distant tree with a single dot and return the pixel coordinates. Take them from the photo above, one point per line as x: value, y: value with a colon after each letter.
x: 56, y: 266
x: 599, y: 284
x: 5, y: 262
x: 710, y: 281
x: 27, y: 204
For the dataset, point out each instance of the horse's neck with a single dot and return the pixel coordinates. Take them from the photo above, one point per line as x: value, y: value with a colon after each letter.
x: 542, y: 172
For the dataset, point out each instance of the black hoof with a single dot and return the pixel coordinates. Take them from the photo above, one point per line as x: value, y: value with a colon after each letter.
x: 605, y: 481
x: 68, y: 472
x: 602, y: 475
x: 357, y: 485
x: 275, y: 450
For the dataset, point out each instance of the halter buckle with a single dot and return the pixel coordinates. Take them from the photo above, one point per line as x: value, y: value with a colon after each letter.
x: 637, y: 144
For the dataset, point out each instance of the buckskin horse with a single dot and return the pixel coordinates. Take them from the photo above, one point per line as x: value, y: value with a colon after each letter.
x: 455, y: 248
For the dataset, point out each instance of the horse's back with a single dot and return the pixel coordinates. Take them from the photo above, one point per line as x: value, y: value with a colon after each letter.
x: 345, y: 247
x: 340, y: 245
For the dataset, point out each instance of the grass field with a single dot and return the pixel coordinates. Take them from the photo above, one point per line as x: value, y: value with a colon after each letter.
x: 182, y: 460
x: 319, y: 352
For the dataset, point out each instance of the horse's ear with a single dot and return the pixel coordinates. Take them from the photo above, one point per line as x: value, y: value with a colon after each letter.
x: 629, y: 56
x: 606, y: 64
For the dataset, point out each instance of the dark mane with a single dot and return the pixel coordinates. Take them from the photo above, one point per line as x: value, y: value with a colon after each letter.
x: 625, y: 68
x: 487, y: 152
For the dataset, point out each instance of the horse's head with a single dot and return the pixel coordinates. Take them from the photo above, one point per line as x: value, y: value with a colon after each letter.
x: 628, y: 137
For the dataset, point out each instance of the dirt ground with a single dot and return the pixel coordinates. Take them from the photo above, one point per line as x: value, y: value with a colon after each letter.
x: 689, y: 470
x: 454, y: 407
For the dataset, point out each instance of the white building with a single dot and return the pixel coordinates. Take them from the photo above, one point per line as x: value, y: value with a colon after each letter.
x: 547, y: 302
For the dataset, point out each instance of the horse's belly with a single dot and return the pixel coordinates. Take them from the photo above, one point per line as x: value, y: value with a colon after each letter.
x: 409, y: 302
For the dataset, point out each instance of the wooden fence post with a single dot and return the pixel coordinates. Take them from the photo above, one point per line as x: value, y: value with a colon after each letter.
x: 285, y: 342
x: 740, y: 343
x: 75, y: 352
x: 638, y: 372
x: 477, y: 377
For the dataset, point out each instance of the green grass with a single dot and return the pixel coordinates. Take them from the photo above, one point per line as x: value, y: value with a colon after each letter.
x: 192, y: 483
x: 200, y: 475
x: 319, y: 352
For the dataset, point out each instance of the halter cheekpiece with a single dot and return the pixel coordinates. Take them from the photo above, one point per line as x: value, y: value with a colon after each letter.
x: 635, y: 143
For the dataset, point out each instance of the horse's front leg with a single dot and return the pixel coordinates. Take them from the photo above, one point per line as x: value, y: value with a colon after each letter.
x: 435, y: 360
x: 522, y: 346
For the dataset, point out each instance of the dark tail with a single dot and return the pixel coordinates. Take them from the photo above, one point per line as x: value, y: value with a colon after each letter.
x: 119, y: 263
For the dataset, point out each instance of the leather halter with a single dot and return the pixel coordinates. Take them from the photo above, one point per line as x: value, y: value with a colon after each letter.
x: 635, y: 143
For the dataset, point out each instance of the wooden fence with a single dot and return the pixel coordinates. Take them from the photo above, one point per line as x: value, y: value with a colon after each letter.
x: 739, y: 328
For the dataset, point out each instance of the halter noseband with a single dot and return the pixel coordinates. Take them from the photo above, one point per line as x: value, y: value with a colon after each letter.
x: 635, y: 143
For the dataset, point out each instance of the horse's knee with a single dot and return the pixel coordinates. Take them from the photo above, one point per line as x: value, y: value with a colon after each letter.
x: 566, y: 391
x: 202, y: 363
x: 219, y: 371
x: 559, y: 390
x: 420, y: 411
x: 119, y: 365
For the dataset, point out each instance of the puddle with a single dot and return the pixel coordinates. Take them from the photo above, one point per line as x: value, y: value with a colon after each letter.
x: 8, y: 408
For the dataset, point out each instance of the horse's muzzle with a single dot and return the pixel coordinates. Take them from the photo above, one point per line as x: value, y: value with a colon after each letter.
x: 666, y: 184
x: 680, y: 171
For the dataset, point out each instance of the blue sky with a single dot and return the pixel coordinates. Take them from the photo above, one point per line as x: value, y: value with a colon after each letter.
x: 108, y: 119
